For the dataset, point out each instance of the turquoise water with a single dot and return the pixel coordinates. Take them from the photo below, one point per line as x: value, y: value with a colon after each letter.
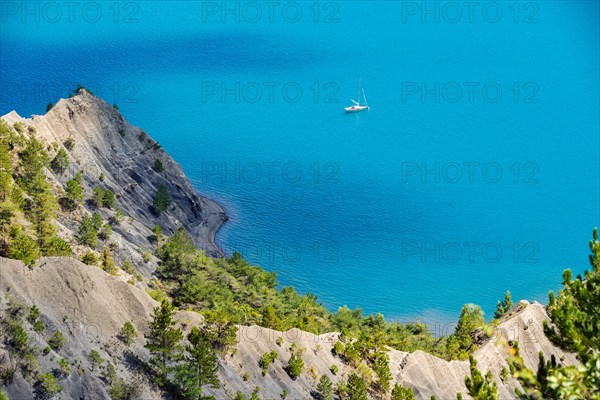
x: 361, y: 226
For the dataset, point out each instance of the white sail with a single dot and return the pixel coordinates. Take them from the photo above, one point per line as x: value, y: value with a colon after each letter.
x: 357, y: 107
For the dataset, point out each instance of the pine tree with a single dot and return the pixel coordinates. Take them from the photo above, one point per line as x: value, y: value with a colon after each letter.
x: 95, y: 359
x: 162, y: 200
x: 199, y: 367
x: 221, y: 326
x: 270, y: 319
x: 402, y: 393
x: 324, y: 388
x: 503, y: 306
x: 42, y: 212
x: 478, y: 386
x: 33, y: 160
x: 575, y: 311
x: 460, y: 343
x: 5, y: 171
x: 128, y: 333
x: 356, y: 389
x: 74, y: 191
x: 381, y: 366
x: 163, y: 340
x: 60, y: 162
x: 25, y: 249
x: 108, y: 264
x: 295, y: 365
x: 87, y: 232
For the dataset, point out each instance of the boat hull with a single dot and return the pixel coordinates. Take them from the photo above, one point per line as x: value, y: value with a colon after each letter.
x: 355, y: 109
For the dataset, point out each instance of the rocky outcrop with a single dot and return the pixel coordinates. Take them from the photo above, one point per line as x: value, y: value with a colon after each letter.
x: 113, y: 154
x: 89, y: 306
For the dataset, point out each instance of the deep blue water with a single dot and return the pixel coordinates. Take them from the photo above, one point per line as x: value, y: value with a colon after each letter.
x: 361, y: 225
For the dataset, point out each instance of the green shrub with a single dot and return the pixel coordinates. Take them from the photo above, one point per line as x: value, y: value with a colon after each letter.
x: 60, y: 162
x: 145, y: 255
x: 69, y: 143
x: 38, y: 326
x: 338, y: 348
x: 25, y: 249
x: 57, y: 341
x: 103, y: 197
x: 105, y: 232
x: 64, y: 366
x: 162, y: 200
x: 334, y: 369
x: 157, y: 232
x: 47, y: 386
x: 158, y: 166
x: 128, y: 267
x: 56, y: 246
x: 266, y: 360
x: 295, y: 365
x: 17, y: 338
x: 503, y: 306
x: 157, y: 294
x: 109, y: 373
x: 34, y: 314
x: 122, y: 390
x: 128, y: 334
x: 87, y: 232
x: 324, y: 388
x: 73, y: 192
x: 107, y: 262
x: 402, y: 393
x: 95, y: 359
x: 89, y: 258
x: 19, y: 127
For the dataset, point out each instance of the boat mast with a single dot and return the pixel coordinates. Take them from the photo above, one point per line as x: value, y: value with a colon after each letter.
x: 358, y: 96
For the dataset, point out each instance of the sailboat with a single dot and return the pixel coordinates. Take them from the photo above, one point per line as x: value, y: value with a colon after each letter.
x: 357, y: 107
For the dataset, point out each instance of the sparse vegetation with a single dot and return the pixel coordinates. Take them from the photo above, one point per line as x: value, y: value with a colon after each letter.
x: 158, y: 166
x: 266, y: 360
x: 162, y: 200
x: 47, y: 387
x: 60, y: 162
x: 198, y: 368
x: 402, y: 393
x: 295, y: 364
x: 57, y: 341
x: 163, y: 341
x: 89, y: 258
x: 69, y: 143
x: 324, y: 389
x: 103, y: 197
x: 95, y: 359
x: 128, y: 333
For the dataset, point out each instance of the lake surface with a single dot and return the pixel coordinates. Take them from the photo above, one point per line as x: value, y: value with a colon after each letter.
x: 475, y: 172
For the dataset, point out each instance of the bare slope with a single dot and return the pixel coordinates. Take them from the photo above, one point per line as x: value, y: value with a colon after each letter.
x: 89, y: 306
